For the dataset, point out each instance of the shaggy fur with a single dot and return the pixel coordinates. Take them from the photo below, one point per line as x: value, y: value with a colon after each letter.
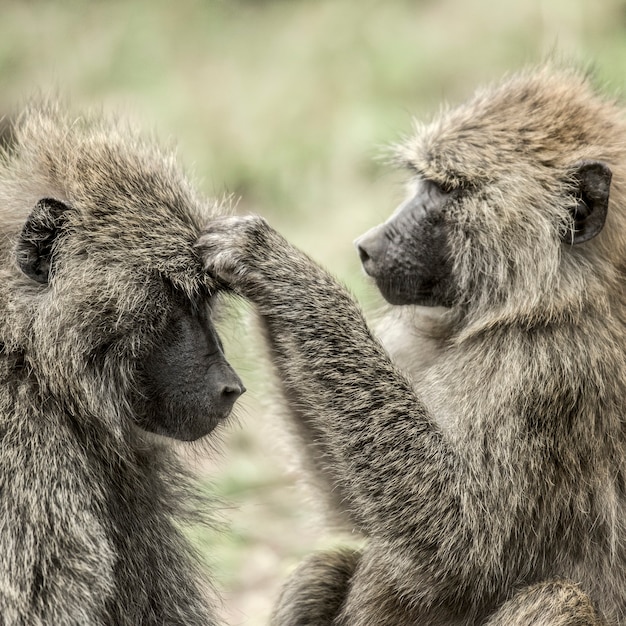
x: 488, y: 454
x: 89, y: 504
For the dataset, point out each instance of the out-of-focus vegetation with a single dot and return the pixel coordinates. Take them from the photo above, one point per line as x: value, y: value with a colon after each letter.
x: 288, y: 104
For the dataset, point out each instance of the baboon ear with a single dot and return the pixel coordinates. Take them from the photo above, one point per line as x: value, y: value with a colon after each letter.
x: 36, y: 243
x: 593, y: 181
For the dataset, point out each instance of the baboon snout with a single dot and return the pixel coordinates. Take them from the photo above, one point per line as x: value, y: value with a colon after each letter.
x: 372, y: 247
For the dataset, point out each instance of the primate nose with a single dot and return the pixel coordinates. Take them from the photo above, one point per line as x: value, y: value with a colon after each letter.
x: 231, y: 391
x: 371, y: 247
x: 229, y: 388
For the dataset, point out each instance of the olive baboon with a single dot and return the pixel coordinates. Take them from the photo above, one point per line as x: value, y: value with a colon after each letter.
x: 491, y: 482
x: 105, y: 334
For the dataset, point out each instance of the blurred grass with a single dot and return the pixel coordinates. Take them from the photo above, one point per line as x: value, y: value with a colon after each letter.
x: 289, y: 105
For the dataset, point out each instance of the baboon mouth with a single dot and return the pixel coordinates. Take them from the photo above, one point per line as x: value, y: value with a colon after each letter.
x: 401, y: 293
x: 396, y: 292
x: 192, y: 430
x: 183, y: 425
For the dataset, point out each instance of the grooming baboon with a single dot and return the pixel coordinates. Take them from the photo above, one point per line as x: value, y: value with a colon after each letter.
x: 491, y: 482
x: 105, y: 334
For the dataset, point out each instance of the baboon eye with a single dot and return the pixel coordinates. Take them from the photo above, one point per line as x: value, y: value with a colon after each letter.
x: 441, y: 186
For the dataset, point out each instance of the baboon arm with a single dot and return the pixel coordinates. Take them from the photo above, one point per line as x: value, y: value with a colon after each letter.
x: 55, y: 568
x: 317, y: 460
x: 363, y: 408
x: 554, y: 603
x: 316, y: 591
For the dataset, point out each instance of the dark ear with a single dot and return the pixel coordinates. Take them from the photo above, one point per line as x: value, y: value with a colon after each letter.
x: 36, y: 242
x: 593, y: 181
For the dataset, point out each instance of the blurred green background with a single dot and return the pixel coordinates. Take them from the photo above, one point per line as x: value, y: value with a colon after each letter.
x: 288, y: 104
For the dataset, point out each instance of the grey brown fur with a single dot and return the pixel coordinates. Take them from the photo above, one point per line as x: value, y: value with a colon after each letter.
x: 486, y: 460
x: 6, y: 132
x: 90, y: 503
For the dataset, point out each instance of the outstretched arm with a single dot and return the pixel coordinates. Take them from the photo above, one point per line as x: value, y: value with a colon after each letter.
x: 366, y: 414
x: 332, y: 367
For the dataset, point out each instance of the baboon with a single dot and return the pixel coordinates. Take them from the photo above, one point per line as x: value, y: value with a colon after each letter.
x: 486, y: 463
x: 106, y: 341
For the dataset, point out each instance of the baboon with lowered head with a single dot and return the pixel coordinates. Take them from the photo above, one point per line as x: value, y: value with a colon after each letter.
x: 490, y: 482
x: 105, y: 339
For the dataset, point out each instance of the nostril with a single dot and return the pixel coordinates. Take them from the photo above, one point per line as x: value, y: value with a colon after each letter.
x: 371, y: 248
x: 363, y: 253
x: 232, y: 392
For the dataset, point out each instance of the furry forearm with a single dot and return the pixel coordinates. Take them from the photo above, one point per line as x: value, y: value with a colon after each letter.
x: 370, y: 419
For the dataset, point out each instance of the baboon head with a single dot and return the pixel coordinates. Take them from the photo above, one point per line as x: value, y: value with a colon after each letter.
x: 104, y: 297
x: 506, y: 195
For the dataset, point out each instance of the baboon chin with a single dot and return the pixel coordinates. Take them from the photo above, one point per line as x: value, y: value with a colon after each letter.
x: 481, y: 452
x: 105, y: 333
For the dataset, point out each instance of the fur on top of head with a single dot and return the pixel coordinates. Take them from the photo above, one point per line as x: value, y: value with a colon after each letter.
x: 127, y: 197
x: 547, y: 115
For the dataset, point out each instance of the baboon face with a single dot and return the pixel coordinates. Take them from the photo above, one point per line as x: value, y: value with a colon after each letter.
x: 408, y: 256
x: 501, y: 190
x: 188, y: 383
x: 123, y: 300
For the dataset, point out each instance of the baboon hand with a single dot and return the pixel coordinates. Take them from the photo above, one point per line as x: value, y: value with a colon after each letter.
x: 233, y: 247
